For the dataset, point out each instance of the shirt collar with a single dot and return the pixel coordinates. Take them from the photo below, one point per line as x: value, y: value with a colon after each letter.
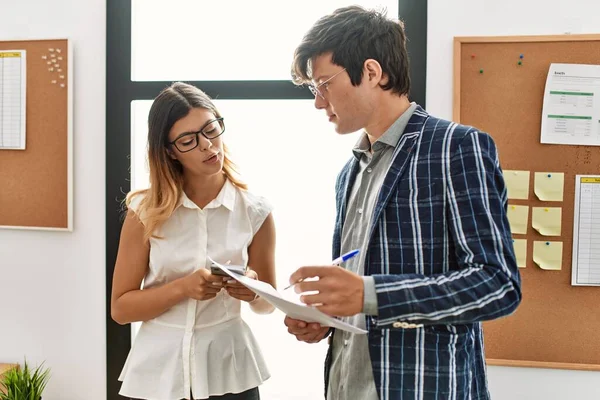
x: 391, y: 137
x: 225, y: 198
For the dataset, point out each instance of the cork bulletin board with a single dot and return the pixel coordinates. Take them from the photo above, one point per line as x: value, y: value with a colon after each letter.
x: 499, y: 87
x: 36, y: 183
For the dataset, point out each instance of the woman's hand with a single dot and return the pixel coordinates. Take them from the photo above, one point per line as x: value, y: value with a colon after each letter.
x: 239, y: 291
x: 202, y: 285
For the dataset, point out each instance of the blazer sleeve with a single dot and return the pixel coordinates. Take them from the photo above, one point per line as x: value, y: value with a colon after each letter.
x: 487, y: 284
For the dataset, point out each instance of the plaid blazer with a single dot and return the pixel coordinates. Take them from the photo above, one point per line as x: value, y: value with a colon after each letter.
x: 441, y: 254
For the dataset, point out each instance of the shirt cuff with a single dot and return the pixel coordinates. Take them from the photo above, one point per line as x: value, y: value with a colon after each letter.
x: 370, y: 297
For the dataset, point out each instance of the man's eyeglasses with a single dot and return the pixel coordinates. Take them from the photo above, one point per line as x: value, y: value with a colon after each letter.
x: 317, y: 91
x: 189, y: 141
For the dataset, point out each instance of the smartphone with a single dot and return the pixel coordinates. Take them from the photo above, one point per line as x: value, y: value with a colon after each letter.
x: 237, y: 269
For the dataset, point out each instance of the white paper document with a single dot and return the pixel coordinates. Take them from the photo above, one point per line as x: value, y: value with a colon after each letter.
x: 586, y: 232
x: 13, y: 84
x: 571, y: 111
x: 288, y: 307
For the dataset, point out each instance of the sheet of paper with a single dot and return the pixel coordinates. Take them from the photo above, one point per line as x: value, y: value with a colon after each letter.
x: 548, y: 255
x: 586, y: 232
x: 549, y: 186
x: 571, y: 111
x: 547, y: 220
x: 288, y: 307
x: 517, y: 184
x: 13, y: 85
x: 518, y: 217
x: 520, y: 246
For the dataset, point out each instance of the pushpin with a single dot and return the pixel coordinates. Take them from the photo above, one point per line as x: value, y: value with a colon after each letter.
x: 44, y: 57
x: 545, y: 209
x: 53, y: 81
x: 481, y: 71
x: 472, y: 55
x: 547, y: 243
x: 520, y: 62
x: 549, y: 175
x: 521, y: 56
x: 513, y: 207
x: 58, y: 50
x: 62, y: 85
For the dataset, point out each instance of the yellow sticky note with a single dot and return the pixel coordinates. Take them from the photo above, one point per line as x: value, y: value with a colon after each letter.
x: 520, y: 246
x: 517, y: 184
x: 518, y: 217
x: 548, y: 255
x: 547, y: 220
x: 549, y: 186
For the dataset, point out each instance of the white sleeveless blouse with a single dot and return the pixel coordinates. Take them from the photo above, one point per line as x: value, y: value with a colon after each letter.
x: 202, y: 346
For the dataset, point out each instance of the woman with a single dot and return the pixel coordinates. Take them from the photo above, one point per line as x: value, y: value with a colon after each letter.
x: 193, y: 343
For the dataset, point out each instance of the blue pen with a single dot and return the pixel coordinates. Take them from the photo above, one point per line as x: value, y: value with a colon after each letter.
x: 337, y: 261
x: 345, y: 257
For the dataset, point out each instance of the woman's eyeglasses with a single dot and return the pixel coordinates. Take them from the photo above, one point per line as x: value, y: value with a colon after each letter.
x: 189, y: 141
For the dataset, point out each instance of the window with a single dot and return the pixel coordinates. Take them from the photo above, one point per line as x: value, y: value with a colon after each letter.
x: 241, y: 56
x: 223, y: 40
x: 294, y: 165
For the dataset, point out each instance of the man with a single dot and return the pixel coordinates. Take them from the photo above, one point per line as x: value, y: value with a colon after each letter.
x: 425, y: 202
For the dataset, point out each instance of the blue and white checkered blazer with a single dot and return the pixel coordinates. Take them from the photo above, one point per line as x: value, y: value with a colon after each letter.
x: 442, y: 258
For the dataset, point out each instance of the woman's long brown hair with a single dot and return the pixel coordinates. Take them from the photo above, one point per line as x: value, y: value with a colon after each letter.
x: 166, y: 175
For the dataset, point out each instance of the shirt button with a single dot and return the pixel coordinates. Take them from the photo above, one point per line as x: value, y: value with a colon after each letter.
x: 345, y: 342
x: 369, y: 170
x: 360, y: 210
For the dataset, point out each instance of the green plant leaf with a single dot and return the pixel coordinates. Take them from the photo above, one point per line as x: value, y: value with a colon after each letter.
x: 25, y: 383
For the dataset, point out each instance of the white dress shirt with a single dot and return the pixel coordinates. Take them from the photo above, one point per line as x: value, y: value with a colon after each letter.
x: 199, y: 346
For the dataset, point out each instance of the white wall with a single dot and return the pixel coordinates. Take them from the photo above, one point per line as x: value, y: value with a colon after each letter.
x: 501, y: 18
x: 52, y: 284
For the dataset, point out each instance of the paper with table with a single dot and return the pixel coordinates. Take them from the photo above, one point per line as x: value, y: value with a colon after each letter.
x: 288, y: 307
x: 13, y: 89
x: 570, y: 113
x: 586, y: 232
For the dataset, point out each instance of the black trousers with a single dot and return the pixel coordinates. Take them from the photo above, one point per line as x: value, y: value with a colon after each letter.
x: 251, y: 394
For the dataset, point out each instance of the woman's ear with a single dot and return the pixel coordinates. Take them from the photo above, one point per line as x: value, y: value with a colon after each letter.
x: 170, y: 153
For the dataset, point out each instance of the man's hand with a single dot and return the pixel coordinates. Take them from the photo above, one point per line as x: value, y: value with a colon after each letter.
x: 340, y: 292
x: 305, y: 331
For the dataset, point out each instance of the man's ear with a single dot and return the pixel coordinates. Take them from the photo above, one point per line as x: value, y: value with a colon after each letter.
x: 373, y: 72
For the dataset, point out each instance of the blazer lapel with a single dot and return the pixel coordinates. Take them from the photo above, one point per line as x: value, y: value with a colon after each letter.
x: 400, y: 161
x: 342, y: 193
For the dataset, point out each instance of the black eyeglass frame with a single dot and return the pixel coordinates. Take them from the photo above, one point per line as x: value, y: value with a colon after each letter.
x: 200, y: 132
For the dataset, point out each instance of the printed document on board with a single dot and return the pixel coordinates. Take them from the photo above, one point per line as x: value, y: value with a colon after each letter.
x: 289, y: 308
x: 571, y: 111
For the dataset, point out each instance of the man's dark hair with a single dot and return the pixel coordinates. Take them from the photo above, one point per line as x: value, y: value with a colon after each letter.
x: 353, y: 35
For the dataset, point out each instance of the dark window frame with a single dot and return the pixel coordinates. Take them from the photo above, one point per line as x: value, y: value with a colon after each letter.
x: 121, y: 91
